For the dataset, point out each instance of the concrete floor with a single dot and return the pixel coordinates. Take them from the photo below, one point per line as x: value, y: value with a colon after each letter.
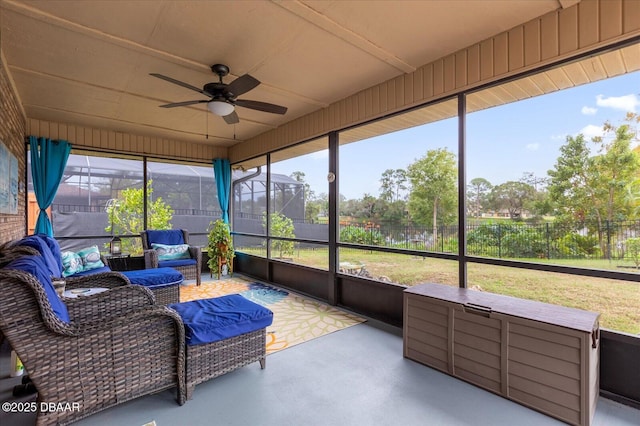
x: 355, y: 376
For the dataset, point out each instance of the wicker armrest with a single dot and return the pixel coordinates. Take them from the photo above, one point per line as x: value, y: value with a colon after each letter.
x: 195, y: 252
x: 103, y: 279
x: 115, y: 302
x: 151, y: 259
x: 130, y: 323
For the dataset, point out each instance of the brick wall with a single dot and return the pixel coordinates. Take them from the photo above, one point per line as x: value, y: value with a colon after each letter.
x: 12, y: 133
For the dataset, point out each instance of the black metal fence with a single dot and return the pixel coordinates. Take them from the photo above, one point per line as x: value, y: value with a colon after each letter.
x: 609, y: 240
x: 500, y: 239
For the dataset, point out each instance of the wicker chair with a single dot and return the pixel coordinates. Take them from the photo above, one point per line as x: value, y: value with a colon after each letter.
x: 190, y: 268
x: 117, y: 346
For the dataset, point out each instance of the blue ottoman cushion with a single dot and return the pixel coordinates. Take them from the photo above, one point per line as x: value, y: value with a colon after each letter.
x: 157, y: 277
x: 219, y: 318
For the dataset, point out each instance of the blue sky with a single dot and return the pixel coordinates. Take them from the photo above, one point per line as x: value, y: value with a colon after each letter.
x: 502, y: 142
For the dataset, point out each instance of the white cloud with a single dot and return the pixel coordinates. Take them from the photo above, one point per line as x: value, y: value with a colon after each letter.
x: 591, y: 131
x: 626, y: 103
x: 589, y: 110
x: 320, y: 155
x: 533, y: 146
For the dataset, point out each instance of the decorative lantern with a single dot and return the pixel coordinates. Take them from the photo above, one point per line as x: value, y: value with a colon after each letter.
x: 115, y: 246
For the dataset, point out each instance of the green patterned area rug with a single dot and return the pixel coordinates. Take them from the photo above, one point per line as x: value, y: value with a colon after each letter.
x: 296, y: 319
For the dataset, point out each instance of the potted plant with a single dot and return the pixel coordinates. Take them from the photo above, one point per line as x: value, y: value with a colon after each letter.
x: 220, y: 247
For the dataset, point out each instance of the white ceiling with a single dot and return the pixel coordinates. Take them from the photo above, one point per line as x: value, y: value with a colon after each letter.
x: 88, y: 62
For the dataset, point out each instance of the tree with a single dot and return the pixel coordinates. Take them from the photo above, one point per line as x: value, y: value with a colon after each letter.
x: 595, y: 188
x: 393, y: 185
x: 433, y: 189
x: 311, y: 209
x: 633, y: 250
x: 617, y: 167
x: 394, y: 212
x: 280, y: 226
x: 512, y: 196
x: 126, y: 215
x: 477, y: 194
x: 540, y: 204
x: 530, y: 178
x: 316, y: 206
x: 368, y: 206
x: 569, y: 180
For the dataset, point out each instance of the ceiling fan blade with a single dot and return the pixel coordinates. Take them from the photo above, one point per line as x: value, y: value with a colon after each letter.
x: 180, y: 83
x: 231, y: 118
x: 185, y: 103
x: 261, y: 106
x: 242, y: 84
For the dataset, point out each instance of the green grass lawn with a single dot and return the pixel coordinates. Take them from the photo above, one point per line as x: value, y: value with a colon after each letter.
x: 617, y: 301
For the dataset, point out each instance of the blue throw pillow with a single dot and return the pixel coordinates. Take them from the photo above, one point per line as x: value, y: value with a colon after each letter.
x: 90, y: 258
x: 72, y: 263
x: 36, y: 266
x: 171, y: 252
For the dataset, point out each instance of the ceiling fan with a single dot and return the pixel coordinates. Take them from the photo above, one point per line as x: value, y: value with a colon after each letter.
x: 223, y: 97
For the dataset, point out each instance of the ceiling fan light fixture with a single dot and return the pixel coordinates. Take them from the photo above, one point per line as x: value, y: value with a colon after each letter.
x: 220, y: 108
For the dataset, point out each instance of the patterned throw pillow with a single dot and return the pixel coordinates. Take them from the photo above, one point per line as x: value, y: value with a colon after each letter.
x: 72, y: 263
x: 90, y: 258
x: 169, y: 252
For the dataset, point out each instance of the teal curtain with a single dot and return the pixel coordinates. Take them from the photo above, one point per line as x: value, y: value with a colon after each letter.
x: 222, y: 172
x: 48, y: 160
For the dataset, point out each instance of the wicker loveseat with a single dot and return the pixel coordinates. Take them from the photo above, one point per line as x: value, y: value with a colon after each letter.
x: 190, y: 266
x: 93, y: 352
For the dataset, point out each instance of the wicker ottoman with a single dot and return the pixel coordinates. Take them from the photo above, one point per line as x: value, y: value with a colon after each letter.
x: 221, y: 335
x: 163, y: 282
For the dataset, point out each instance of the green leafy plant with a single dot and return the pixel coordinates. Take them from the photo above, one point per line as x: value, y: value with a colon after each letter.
x: 280, y: 226
x: 633, y: 250
x: 126, y: 215
x: 220, y: 245
x: 361, y: 235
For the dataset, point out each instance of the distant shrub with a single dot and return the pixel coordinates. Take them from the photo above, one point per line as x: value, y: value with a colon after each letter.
x: 633, y: 250
x: 574, y: 245
x: 360, y: 235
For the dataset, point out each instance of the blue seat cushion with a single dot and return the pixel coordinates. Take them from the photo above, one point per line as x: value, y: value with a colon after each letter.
x: 158, y: 277
x: 219, y: 318
x: 167, y: 236
x: 91, y: 272
x: 36, y: 266
x: 38, y: 242
x: 176, y: 262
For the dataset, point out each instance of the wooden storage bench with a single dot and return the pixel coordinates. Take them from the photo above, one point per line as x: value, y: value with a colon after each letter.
x: 540, y: 355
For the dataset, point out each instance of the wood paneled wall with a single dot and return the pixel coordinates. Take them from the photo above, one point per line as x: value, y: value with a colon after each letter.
x: 554, y: 37
x: 107, y: 140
